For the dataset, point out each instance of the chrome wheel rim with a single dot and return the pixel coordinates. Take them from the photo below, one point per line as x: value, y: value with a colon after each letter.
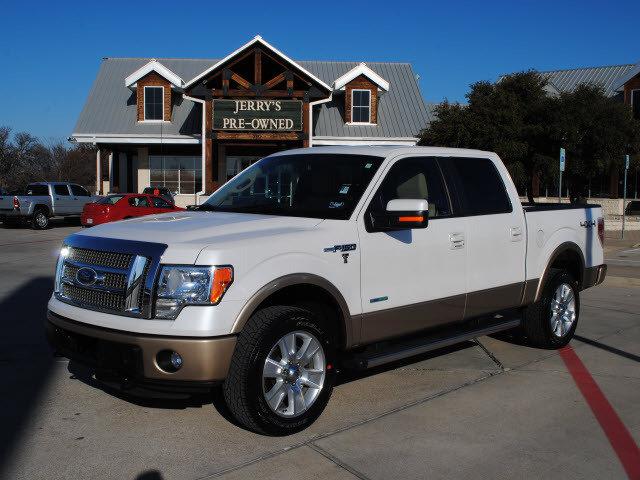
x: 293, y: 374
x: 41, y: 219
x: 563, y: 310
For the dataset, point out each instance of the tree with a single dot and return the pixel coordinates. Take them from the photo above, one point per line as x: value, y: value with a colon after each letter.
x: 24, y: 159
x: 512, y: 117
x: 596, y: 132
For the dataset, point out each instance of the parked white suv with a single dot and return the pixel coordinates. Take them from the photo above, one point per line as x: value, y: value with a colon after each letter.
x: 306, y: 262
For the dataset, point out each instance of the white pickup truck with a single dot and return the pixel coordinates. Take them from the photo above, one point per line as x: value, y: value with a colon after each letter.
x: 43, y: 200
x: 318, y: 259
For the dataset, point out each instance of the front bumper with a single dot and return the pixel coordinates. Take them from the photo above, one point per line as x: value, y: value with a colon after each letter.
x: 132, y: 356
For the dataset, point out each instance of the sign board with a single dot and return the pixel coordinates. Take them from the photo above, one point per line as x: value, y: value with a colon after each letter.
x: 562, y: 159
x: 626, y: 162
x: 257, y: 115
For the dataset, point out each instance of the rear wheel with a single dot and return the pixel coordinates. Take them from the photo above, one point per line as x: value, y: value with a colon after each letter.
x: 281, y: 375
x: 40, y: 219
x: 552, y: 321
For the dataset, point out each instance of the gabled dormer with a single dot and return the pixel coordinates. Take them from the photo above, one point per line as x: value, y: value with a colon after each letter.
x: 154, y: 84
x: 362, y: 88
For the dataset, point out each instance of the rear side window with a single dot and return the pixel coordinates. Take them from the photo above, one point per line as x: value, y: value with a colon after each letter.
x: 160, y: 203
x: 78, y: 191
x: 480, y: 186
x: 36, y: 190
x: 139, y: 202
x: 61, y: 190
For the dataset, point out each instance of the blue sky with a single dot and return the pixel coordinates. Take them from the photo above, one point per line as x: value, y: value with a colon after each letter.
x: 50, y: 51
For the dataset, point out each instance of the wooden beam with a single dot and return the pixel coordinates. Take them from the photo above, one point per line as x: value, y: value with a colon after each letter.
x: 240, y: 81
x: 305, y: 124
x: 250, y: 93
x: 275, y: 80
x: 223, y: 135
x: 257, y: 67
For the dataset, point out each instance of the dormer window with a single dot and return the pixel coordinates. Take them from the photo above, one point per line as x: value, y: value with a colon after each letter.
x: 153, y: 103
x: 153, y: 84
x: 360, y: 106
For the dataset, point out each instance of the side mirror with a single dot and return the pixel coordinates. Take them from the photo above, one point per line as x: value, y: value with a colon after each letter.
x: 401, y: 214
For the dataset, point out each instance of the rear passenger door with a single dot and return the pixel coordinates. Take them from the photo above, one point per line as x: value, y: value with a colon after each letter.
x: 412, y: 279
x: 62, y: 201
x: 495, y: 239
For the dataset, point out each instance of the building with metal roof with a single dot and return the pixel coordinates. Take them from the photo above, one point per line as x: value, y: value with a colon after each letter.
x: 190, y: 124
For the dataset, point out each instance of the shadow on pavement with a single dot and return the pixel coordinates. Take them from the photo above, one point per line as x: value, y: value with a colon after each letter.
x: 607, y: 348
x: 150, y: 475
x: 25, y: 359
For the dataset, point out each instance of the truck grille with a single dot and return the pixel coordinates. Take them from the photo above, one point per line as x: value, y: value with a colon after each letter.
x: 103, y: 259
x: 111, y: 282
x: 93, y: 298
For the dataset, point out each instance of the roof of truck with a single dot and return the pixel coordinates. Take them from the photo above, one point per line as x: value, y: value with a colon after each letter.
x: 387, y: 151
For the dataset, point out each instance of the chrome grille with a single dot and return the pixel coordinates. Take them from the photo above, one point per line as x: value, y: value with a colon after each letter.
x: 103, y: 259
x: 99, y: 299
x: 114, y: 284
x: 108, y: 275
x: 114, y: 281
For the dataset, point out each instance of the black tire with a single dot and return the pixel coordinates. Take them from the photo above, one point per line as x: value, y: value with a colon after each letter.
x: 40, y: 219
x: 536, y: 326
x: 243, y: 388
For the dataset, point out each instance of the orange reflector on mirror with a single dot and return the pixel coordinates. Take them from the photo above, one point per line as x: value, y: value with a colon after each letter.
x: 411, y: 219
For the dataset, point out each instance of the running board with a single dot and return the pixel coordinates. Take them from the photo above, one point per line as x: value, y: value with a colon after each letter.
x: 401, y: 349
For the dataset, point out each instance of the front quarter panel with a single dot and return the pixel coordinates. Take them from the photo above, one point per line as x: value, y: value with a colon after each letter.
x: 259, y: 262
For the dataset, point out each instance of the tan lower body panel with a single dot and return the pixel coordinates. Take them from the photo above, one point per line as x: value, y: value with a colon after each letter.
x: 493, y: 300
x: 204, y: 359
x: 394, y: 322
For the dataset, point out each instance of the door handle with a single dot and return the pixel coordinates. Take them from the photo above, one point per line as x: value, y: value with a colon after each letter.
x: 457, y: 240
x: 516, y: 234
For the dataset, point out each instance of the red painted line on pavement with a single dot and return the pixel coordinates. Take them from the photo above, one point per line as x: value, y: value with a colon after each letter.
x: 619, y: 437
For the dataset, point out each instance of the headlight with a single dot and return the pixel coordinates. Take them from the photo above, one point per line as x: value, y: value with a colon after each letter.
x: 180, y: 285
x: 64, y: 252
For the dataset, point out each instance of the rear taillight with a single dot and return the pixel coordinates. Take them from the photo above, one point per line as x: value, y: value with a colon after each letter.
x: 601, y: 230
x: 16, y: 203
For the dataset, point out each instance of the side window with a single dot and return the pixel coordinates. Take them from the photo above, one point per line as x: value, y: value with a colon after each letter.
x: 61, y: 190
x: 160, y: 203
x: 480, y: 186
x: 78, y: 191
x: 139, y: 202
x: 418, y: 177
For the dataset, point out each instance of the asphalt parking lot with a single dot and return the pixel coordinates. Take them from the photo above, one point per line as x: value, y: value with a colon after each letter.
x: 486, y: 409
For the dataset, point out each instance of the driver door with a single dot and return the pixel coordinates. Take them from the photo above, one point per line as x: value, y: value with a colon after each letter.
x: 412, y: 279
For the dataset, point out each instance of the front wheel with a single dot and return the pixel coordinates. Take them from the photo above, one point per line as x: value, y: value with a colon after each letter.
x: 281, y: 375
x: 551, y: 322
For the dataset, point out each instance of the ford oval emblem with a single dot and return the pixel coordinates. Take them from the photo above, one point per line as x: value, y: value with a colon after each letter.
x: 86, y: 276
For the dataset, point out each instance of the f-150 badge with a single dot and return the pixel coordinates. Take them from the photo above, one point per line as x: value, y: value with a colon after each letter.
x: 349, y: 247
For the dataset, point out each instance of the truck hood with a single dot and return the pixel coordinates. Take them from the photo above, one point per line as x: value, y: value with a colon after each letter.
x: 187, y: 233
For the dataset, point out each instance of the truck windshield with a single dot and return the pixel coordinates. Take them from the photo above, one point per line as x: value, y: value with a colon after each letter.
x: 303, y: 185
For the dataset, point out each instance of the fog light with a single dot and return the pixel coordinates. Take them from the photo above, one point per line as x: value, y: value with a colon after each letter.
x: 169, y: 361
x: 176, y: 360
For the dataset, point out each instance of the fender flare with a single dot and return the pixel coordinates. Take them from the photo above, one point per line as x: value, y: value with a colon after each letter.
x: 559, y: 250
x: 41, y: 205
x: 290, y: 280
